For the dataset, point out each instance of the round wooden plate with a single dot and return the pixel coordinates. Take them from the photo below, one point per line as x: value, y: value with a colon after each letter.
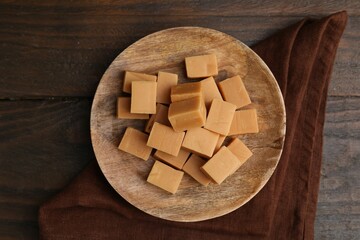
x: 166, y: 51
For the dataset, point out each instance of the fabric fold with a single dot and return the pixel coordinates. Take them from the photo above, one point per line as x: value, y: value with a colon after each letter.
x: 301, y: 58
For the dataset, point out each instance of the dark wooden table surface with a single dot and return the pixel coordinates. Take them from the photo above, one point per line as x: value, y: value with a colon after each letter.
x: 53, y: 54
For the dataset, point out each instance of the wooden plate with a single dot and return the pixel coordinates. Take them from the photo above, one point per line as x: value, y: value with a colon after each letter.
x: 166, y: 51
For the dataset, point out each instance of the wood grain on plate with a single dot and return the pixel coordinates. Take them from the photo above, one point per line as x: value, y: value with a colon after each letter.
x: 166, y: 51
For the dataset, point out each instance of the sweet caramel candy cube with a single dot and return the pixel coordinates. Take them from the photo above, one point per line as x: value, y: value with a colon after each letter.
x: 219, y: 142
x: 134, y: 76
x: 143, y: 97
x: 240, y: 150
x: 210, y: 91
x: 192, y: 167
x: 244, y: 121
x: 165, y: 177
x: 165, y: 82
x: 201, y: 66
x: 233, y: 90
x: 165, y: 139
x: 200, y: 141
x: 187, y: 114
x: 220, y: 117
x: 177, y: 162
x: 134, y: 142
x: 161, y: 116
x: 186, y: 91
x: 123, y: 110
x: 221, y: 165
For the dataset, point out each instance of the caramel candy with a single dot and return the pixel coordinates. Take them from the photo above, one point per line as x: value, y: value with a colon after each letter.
x: 233, y: 90
x: 220, y: 117
x: 201, y: 66
x: 210, y: 91
x: 240, y: 150
x: 165, y: 139
x: 134, y: 142
x: 244, y: 121
x: 161, y: 116
x: 192, y: 167
x: 143, y: 97
x: 186, y: 91
x: 123, y: 109
x: 221, y: 165
x: 220, y: 142
x: 134, y: 76
x: 165, y: 177
x: 177, y: 162
x: 165, y: 82
x: 187, y: 114
x: 200, y: 141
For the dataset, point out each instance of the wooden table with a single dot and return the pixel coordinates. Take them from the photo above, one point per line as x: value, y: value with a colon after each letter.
x: 53, y: 54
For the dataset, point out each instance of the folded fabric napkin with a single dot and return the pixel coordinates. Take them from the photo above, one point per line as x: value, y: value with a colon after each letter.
x: 301, y: 58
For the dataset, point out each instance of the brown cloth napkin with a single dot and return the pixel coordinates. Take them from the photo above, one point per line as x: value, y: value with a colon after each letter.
x: 301, y: 58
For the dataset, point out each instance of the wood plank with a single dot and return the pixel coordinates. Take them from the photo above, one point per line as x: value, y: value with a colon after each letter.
x: 43, y: 145
x: 19, y: 230
x: 339, y: 198
x: 187, y: 7
x: 67, y: 55
x: 50, y: 143
x: 43, y: 135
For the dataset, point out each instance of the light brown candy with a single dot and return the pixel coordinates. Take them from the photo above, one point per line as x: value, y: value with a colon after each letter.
x: 201, y: 66
x: 177, y: 162
x: 165, y: 82
x: 233, y: 90
x: 186, y: 91
x: 135, y: 143
x: 161, y: 116
x: 192, y: 167
x: 134, y: 76
x: 187, y: 114
x: 143, y: 97
x: 210, y: 91
x: 123, y: 110
x: 221, y: 165
x: 165, y: 177
x: 200, y: 141
x: 240, y: 150
x: 165, y: 139
x: 220, y: 142
x: 220, y: 117
x: 244, y: 121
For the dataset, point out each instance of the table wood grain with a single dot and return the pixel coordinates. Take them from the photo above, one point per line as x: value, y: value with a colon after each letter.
x: 53, y: 54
